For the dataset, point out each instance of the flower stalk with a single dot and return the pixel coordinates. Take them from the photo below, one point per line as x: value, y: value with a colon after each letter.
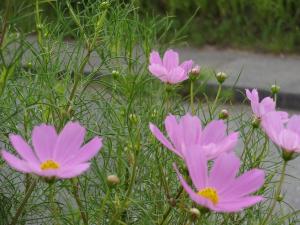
x: 277, y: 193
x: 23, y: 203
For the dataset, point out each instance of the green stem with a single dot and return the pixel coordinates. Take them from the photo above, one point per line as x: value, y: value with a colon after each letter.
x: 277, y: 193
x: 192, y: 97
x: 78, y: 201
x: 216, y: 99
x: 132, y: 179
x: 248, y: 138
x: 170, y: 207
x: 23, y: 203
x: 55, y: 210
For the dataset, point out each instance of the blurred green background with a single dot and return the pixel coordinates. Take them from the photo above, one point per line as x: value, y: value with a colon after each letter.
x: 265, y: 25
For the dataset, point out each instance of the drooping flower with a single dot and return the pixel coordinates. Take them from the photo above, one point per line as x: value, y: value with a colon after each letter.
x: 53, y: 156
x: 285, y: 134
x: 188, y: 132
x: 261, y: 108
x: 219, y: 189
x: 168, y: 69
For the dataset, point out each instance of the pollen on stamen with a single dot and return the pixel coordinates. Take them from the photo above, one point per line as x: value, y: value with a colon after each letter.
x: 210, y: 194
x: 49, y: 165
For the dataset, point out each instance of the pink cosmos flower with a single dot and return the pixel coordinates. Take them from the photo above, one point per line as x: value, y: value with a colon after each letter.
x: 220, y: 190
x: 168, y: 69
x: 53, y: 155
x: 261, y: 108
x: 188, y: 132
x: 285, y: 134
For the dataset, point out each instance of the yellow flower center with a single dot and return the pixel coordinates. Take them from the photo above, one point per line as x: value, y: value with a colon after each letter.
x: 49, y: 165
x: 210, y: 194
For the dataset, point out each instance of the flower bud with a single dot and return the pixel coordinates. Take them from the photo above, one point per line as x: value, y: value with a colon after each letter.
x: 115, y: 74
x: 195, y: 71
x: 279, y: 198
x: 195, y: 213
x: 133, y: 118
x: 113, y: 180
x: 275, y: 89
x: 172, y: 202
x: 221, y: 77
x: 29, y: 65
x: 223, y: 115
x: 255, y: 122
x: 104, y: 5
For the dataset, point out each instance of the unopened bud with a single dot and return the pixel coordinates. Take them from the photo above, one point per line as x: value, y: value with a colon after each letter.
x: 195, y: 213
x: 279, y: 198
x: 29, y: 65
x: 104, y: 5
x: 275, y: 89
x: 221, y: 77
x: 39, y: 26
x: 223, y: 115
x: 115, y: 74
x: 172, y: 202
x: 133, y: 118
x: 195, y: 71
x: 113, y: 180
x: 256, y: 122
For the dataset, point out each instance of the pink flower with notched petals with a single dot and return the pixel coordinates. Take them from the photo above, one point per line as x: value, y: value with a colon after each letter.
x: 285, y: 134
x: 219, y: 189
x: 261, y: 108
x: 53, y: 155
x: 188, y: 132
x: 168, y: 69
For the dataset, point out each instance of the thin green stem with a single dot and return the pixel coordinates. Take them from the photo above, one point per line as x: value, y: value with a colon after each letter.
x: 52, y: 199
x: 192, y: 97
x: 277, y: 193
x: 213, y: 108
x: 23, y: 203
x: 246, y: 143
x: 170, y: 207
x: 78, y: 201
x: 132, y: 179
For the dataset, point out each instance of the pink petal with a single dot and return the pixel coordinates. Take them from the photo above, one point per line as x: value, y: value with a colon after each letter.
x: 294, y: 124
x: 23, y: 148
x: 156, y: 132
x: 68, y: 141
x: 238, y: 204
x: 155, y: 58
x: 266, y: 105
x: 213, y: 132
x: 14, y: 162
x: 224, y: 170
x: 174, y: 132
x: 44, y: 138
x: 187, y: 65
x: 196, y: 162
x: 254, y: 99
x: 272, y: 125
x: 158, y: 71
x: 289, y: 140
x: 252, y: 95
x: 170, y: 60
x: 190, y: 129
x: 73, y: 171
x: 87, y: 152
x: 226, y: 145
x: 194, y: 196
x: 244, y: 185
x: 177, y: 75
